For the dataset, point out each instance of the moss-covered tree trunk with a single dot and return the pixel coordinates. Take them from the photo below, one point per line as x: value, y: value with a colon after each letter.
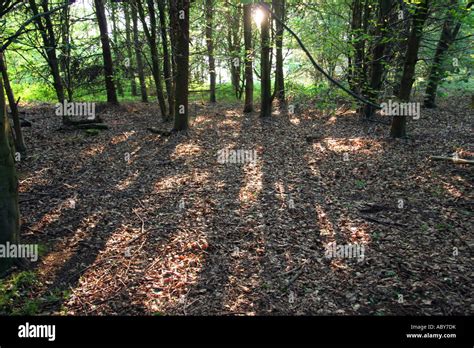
x: 9, y: 210
x: 19, y: 142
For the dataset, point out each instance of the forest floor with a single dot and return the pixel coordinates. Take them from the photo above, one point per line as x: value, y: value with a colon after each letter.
x: 173, y: 232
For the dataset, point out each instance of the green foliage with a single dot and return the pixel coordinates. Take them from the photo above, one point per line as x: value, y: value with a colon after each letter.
x: 329, y: 40
x: 35, y: 91
x: 16, y: 295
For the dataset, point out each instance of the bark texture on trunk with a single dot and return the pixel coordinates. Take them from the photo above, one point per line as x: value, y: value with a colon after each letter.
x: 138, y: 53
x: 166, y: 56
x: 19, y: 141
x: 279, y: 9
x: 106, y: 53
x: 179, y: 15
x: 49, y: 42
x: 398, y: 128
x: 210, y: 49
x: 266, y: 102
x: 9, y: 209
x: 151, y: 35
x: 448, y: 36
x: 249, y: 53
x: 377, y: 66
x: 128, y: 38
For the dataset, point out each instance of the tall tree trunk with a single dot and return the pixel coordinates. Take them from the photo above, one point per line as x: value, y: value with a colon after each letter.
x: 377, y: 69
x: 130, y: 70
x: 65, y: 55
x: 366, y: 31
x: 404, y: 31
x: 210, y: 49
x: 138, y: 53
x: 173, y: 59
x: 9, y: 209
x: 266, y: 102
x: 448, y: 36
x: 179, y: 15
x: 279, y: 8
x: 248, y: 58
x: 49, y: 42
x: 234, y: 46
x: 166, y: 57
x: 19, y: 142
x: 151, y: 35
x: 106, y: 54
x: 356, y: 61
x: 116, y: 50
x: 398, y: 128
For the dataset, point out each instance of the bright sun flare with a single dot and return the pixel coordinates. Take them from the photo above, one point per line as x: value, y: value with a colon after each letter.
x: 258, y: 16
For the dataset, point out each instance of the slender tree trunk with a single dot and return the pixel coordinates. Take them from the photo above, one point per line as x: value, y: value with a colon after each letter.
x: 116, y: 50
x: 448, y: 36
x: 131, y: 68
x: 279, y: 8
x: 398, y: 128
x: 65, y: 58
x: 9, y: 209
x: 377, y: 69
x: 266, y: 102
x: 179, y: 14
x: 210, y: 49
x: 49, y: 41
x: 363, y: 50
x: 248, y: 58
x: 237, y: 36
x: 138, y: 53
x: 106, y: 54
x: 19, y: 142
x: 151, y: 35
x: 404, y: 30
x: 234, y: 46
x: 173, y: 59
x: 356, y: 43
x: 166, y: 57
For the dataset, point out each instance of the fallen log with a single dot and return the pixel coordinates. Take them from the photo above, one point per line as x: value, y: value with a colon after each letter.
x: 381, y: 221
x: 159, y: 131
x: 92, y: 126
x: 85, y: 121
x: 452, y: 159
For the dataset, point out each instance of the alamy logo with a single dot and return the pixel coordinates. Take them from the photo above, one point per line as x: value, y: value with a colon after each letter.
x: 22, y: 251
x: 37, y: 331
x: 345, y: 251
x: 237, y: 156
x: 401, y: 109
x: 76, y: 109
